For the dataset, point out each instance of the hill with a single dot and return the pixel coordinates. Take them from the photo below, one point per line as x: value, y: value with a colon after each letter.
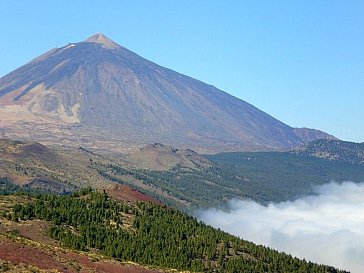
x: 99, y: 94
x: 308, y: 135
x: 87, y: 230
x: 161, y: 157
x: 334, y: 150
x: 26, y: 246
x: 35, y: 166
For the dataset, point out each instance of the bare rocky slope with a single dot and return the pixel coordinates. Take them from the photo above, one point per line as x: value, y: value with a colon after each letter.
x: 97, y: 92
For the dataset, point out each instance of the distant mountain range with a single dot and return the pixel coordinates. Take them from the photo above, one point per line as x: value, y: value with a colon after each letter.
x: 100, y: 93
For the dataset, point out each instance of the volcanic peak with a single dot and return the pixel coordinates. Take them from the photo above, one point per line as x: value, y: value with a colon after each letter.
x: 106, y: 42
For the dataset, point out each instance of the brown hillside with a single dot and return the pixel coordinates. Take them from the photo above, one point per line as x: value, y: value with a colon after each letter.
x: 39, y: 167
x: 162, y: 157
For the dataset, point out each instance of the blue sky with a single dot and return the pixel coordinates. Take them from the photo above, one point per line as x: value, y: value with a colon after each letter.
x: 300, y: 61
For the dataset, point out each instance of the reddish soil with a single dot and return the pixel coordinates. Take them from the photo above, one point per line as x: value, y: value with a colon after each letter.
x: 126, y: 193
x: 35, y: 230
x: 16, y: 253
x: 62, y: 260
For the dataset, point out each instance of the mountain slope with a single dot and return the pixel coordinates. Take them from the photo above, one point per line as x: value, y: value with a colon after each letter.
x: 142, y: 233
x: 99, y: 84
x: 309, y: 135
x: 33, y: 165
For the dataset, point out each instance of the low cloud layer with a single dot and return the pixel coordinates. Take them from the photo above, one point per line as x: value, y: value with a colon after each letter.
x: 326, y: 228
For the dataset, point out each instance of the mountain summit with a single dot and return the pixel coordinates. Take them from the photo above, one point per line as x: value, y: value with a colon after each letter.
x: 100, y: 38
x: 109, y: 92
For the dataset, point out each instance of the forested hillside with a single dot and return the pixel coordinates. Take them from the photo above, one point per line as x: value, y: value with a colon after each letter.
x: 280, y: 176
x: 149, y: 234
x: 263, y: 177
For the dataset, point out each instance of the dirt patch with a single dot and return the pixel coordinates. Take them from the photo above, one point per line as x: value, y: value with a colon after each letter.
x: 8, y: 267
x: 17, y: 253
x: 126, y: 193
x: 20, y: 179
x: 36, y: 230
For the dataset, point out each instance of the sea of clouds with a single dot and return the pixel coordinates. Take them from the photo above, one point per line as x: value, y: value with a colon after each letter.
x: 326, y: 227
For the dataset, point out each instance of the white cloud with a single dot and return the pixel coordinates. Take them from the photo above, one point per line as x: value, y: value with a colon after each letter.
x: 326, y: 228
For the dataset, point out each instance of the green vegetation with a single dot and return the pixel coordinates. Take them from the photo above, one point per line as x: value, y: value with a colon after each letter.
x: 199, y: 188
x: 263, y: 177
x: 334, y: 150
x: 152, y: 235
x: 275, y: 176
x: 6, y: 187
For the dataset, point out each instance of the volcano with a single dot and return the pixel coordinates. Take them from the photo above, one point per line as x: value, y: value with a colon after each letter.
x: 102, y: 88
